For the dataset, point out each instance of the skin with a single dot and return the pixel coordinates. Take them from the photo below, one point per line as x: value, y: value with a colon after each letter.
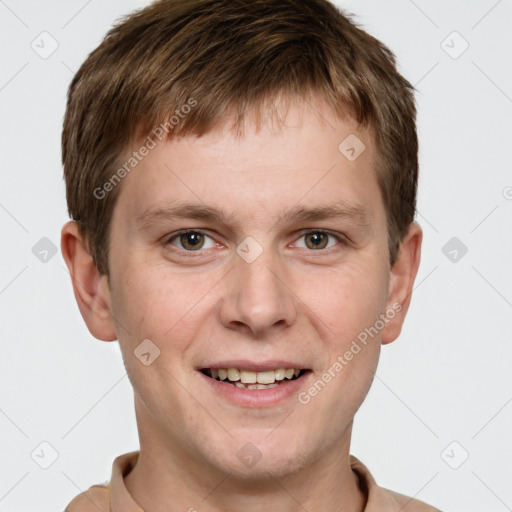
x: 293, y: 302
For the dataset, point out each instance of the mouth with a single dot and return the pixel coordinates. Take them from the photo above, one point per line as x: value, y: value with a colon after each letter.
x: 255, y: 380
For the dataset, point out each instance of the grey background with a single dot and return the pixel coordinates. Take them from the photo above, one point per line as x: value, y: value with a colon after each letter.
x: 443, y: 390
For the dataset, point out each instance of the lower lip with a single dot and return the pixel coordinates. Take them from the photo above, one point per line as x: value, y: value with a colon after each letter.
x: 257, y: 398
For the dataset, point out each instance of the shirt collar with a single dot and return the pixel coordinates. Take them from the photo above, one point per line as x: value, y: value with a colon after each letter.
x: 378, y: 499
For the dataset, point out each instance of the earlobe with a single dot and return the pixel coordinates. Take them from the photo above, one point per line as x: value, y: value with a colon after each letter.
x: 90, y: 287
x: 401, y: 283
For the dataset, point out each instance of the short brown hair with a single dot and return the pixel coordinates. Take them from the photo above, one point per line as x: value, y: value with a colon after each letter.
x: 230, y: 56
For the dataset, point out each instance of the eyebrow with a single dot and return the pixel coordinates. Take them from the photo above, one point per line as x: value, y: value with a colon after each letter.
x: 340, y: 210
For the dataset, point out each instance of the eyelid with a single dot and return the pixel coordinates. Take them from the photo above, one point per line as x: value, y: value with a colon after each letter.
x: 340, y: 237
x: 343, y: 239
x: 170, y: 238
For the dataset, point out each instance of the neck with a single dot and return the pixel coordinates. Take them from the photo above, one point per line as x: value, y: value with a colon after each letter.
x: 167, y: 477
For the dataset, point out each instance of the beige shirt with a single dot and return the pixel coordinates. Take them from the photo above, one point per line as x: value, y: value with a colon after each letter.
x: 115, y: 497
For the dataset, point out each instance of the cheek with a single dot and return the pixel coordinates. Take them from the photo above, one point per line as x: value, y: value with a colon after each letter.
x: 151, y: 302
x: 350, y: 302
x: 348, y: 299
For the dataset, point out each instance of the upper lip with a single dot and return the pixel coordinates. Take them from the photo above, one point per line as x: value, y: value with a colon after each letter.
x: 262, y: 366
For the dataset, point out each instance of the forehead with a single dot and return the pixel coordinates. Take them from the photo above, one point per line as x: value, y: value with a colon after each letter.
x: 310, y: 158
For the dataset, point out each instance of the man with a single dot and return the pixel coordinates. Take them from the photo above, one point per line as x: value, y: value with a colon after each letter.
x: 242, y: 180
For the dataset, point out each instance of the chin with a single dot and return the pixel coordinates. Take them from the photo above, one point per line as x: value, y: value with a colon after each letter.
x: 260, y: 459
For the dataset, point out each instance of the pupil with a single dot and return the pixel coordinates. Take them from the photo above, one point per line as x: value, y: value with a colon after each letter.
x: 317, y: 240
x: 191, y: 240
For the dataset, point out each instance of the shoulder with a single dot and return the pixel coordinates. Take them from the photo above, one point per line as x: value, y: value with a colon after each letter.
x: 95, y: 499
x: 380, y: 499
x: 408, y: 504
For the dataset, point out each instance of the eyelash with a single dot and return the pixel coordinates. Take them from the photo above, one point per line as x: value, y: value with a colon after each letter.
x: 342, y: 239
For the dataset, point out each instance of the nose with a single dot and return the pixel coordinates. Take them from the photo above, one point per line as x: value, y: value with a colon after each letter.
x: 258, y: 297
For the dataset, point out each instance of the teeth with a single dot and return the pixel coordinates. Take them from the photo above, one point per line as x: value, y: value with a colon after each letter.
x: 266, y: 377
x: 261, y: 386
x: 280, y: 373
x: 233, y: 374
x: 242, y: 377
x: 248, y: 377
x: 255, y: 386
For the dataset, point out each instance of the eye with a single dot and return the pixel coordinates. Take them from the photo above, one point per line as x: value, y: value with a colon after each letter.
x: 191, y: 240
x: 316, y: 240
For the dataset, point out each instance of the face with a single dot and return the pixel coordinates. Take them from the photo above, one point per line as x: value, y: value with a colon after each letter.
x: 260, y: 253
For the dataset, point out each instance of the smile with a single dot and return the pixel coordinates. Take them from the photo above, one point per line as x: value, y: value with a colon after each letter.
x: 246, y: 379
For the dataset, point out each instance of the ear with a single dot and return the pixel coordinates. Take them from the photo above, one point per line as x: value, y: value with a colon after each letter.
x: 91, y: 288
x: 401, y: 282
